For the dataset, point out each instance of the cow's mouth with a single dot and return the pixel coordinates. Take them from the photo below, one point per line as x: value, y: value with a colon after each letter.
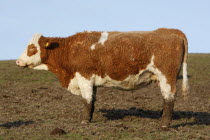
x: 26, y: 66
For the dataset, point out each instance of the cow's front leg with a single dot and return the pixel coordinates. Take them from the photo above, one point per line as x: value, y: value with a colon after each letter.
x: 88, y: 92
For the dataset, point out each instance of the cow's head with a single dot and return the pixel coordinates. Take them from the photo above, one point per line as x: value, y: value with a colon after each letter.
x: 31, y: 57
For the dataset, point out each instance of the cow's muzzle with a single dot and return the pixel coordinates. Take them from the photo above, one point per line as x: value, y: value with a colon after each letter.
x: 20, y: 63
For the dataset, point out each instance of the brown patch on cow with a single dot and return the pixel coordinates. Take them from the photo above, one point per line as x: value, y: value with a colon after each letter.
x: 32, y: 50
x: 123, y: 54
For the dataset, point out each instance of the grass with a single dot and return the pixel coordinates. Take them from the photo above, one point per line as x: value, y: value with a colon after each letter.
x: 74, y: 136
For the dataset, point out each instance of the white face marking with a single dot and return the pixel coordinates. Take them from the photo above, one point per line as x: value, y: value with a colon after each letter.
x: 41, y: 67
x: 34, y: 59
x: 104, y: 38
x: 165, y: 88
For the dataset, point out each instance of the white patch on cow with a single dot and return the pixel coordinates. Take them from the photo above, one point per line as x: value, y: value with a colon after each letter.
x: 129, y: 83
x: 41, y: 67
x: 93, y: 47
x: 165, y: 88
x: 103, y: 38
x: 132, y: 59
x: 74, y: 87
x: 34, y: 60
x: 81, y: 86
x: 86, y: 87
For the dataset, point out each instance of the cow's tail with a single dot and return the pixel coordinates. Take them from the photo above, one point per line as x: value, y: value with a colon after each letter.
x: 185, y: 85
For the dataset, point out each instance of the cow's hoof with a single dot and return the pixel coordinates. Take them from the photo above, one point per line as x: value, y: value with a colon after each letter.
x: 165, y: 128
x: 165, y: 123
x: 85, y: 122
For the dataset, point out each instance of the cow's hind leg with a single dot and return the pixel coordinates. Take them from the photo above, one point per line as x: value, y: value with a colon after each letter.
x: 169, y: 93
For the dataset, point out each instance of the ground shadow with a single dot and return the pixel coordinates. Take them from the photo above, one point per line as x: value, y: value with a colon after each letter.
x: 117, y: 114
x: 181, y: 77
x: 200, y: 118
x: 16, y: 124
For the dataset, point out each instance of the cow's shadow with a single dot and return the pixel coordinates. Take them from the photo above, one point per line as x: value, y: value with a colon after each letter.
x: 16, y: 124
x: 200, y: 118
x: 181, y: 77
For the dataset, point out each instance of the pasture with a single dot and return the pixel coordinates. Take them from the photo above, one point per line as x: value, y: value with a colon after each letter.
x: 33, y: 103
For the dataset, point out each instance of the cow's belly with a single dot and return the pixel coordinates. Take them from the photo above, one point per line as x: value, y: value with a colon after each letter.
x: 131, y: 82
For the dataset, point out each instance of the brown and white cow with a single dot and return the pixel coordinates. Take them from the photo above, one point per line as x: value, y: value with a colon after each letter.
x: 112, y: 59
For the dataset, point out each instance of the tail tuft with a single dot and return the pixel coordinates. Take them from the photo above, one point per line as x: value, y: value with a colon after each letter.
x: 185, y: 85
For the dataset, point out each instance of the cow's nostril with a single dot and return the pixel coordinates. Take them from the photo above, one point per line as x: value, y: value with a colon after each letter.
x: 17, y: 62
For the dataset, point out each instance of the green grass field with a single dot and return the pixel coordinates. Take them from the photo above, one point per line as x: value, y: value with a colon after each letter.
x: 33, y: 103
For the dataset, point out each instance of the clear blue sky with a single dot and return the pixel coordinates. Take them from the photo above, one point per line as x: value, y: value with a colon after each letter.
x: 20, y: 19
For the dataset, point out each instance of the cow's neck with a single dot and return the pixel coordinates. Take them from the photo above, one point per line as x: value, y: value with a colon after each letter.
x: 57, y: 59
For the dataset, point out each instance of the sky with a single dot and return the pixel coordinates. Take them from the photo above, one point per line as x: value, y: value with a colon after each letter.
x: 20, y: 19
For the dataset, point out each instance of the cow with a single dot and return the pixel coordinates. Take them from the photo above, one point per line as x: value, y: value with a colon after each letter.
x: 125, y: 60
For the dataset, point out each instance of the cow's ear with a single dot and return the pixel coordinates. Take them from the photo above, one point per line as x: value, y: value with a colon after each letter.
x: 48, y: 43
x: 51, y: 45
x: 43, y: 41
